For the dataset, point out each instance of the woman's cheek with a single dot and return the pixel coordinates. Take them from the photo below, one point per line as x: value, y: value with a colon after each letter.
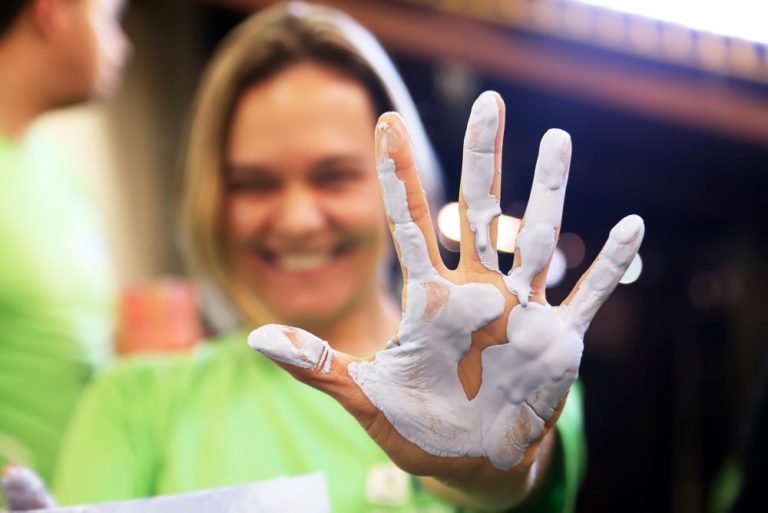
x: 243, y: 216
x: 360, y: 208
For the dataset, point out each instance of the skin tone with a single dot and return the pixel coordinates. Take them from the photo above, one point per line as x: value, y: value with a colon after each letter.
x: 304, y: 218
x: 511, y: 454
x: 99, y: 48
x: 61, y: 52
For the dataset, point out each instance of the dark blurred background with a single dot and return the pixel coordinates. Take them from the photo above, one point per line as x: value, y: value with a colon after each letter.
x: 667, y: 122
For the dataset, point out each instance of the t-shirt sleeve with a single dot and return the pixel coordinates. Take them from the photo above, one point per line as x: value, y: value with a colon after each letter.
x: 566, y: 472
x: 109, y: 449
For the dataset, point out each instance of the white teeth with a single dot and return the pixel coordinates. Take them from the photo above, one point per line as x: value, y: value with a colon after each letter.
x: 303, y: 262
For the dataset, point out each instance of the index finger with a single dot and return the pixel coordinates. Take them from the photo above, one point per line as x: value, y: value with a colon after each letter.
x: 404, y: 200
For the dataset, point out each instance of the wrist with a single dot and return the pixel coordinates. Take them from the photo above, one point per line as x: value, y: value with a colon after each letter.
x: 491, y: 489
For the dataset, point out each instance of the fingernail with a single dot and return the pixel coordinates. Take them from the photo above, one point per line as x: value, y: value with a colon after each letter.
x: 628, y: 229
x: 483, y: 124
x: 625, y: 240
x: 555, y: 152
x: 391, y: 138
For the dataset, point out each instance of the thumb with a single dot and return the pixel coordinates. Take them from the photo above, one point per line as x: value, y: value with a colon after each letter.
x: 24, y: 490
x: 309, y: 359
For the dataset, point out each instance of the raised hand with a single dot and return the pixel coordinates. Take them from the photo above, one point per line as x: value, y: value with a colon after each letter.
x: 481, y: 364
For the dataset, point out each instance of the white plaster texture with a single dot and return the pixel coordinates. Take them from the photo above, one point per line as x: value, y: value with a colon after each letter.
x: 293, y: 346
x: 415, y: 382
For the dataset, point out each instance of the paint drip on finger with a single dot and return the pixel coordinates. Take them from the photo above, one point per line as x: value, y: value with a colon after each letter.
x: 536, y: 240
x: 478, y: 173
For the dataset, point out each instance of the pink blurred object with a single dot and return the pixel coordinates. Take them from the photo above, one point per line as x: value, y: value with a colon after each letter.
x: 158, y: 316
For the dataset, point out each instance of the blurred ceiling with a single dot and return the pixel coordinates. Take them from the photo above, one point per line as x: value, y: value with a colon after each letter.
x: 660, y: 71
x: 666, y: 41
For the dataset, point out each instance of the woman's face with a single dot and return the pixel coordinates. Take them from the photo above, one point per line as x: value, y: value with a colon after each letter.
x: 305, y: 222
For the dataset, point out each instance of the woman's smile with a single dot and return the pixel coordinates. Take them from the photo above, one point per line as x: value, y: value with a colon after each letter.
x: 305, y: 263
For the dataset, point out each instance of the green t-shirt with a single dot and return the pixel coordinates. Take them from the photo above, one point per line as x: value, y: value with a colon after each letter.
x: 227, y: 415
x: 57, y: 291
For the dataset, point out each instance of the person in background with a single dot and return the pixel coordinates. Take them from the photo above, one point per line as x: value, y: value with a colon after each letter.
x: 57, y: 284
x: 283, y: 219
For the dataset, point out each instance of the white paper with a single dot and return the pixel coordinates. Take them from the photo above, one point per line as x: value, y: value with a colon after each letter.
x: 305, y: 494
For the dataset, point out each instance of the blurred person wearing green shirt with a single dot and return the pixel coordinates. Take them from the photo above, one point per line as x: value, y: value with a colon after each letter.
x: 283, y: 220
x: 56, y: 280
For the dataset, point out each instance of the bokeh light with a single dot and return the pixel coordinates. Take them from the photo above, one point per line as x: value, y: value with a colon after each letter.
x: 557, y: 268
x: 449, y: 227
x: 573, y: 248
x: 633, y: 271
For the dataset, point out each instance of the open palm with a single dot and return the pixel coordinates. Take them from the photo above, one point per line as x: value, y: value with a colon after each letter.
x: 481, y: 364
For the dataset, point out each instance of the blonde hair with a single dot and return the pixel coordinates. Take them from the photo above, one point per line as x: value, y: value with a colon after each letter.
x: 260, y: 47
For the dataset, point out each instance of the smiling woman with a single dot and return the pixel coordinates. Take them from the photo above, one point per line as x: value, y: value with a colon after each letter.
x: 305, y: 225
x: 283, y: 215
x: 286, y: 115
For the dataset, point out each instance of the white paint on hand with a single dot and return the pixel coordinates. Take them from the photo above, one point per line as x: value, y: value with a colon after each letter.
x: 611, y: 264
x: 293, y: 346
x: 479, y: 170
x: 536, y: 241
x: 415, y: 382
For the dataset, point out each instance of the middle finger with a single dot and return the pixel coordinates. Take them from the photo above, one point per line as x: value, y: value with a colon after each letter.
x: 481, y: 182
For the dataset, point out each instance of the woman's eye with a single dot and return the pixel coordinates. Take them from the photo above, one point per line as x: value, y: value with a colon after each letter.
x: 336, y: 178
x: 252, y: 185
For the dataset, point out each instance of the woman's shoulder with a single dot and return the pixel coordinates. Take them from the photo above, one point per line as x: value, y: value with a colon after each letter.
x: 151, y: 373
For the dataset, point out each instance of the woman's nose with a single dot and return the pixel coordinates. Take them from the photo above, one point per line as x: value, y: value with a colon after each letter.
x: 299, y: 213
